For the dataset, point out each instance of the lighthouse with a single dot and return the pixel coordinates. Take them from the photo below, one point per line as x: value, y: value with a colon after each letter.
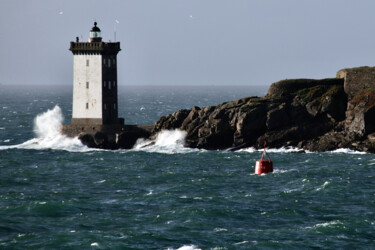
x: 95, y: 81
x: 95, y: 118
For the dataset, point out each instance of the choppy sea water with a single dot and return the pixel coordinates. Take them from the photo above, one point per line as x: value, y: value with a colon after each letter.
x: 57, y: 194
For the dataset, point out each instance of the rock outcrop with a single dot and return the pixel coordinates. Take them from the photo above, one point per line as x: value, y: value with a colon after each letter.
x: 316, y: 115
x: 111, y: 138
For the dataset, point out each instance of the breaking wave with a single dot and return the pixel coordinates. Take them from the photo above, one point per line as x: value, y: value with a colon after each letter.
x: 274, y: 150
x: 186, y: 247
x: 347, y: 151
x: 334, y: 223
x: 48, y: 136
x: 166, y: 142
x: 298, y: 150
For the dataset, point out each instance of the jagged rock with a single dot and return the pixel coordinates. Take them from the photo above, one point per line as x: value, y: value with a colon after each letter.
x: 87, y: 140
x: 291, y: 86
x: 310, y: 114
x: 108, y: 139
x: 334, y: 103
x: 371, y: 137
x: 100, y: 139
x: 316, y: 115
x: 129, y: 137
x: 277, y: 117
x: 360, y: 116
x: 171, y: 121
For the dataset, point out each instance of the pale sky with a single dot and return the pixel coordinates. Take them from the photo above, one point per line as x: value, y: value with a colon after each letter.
x: 189, y: 42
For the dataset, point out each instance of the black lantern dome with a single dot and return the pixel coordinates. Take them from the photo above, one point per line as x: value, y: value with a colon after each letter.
x: 95, y: 34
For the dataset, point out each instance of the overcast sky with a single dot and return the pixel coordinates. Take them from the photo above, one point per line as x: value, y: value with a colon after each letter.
x: 189, y: 42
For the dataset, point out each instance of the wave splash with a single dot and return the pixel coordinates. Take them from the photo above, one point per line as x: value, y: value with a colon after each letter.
x: 48, y: 136
x: 166, y: 142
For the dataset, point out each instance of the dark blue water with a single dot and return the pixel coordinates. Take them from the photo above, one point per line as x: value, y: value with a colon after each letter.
x: 58, y: 194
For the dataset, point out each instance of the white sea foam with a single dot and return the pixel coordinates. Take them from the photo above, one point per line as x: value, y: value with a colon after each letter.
x: 281, y: 171
x: 48, y: 136
x: 274, y: 150
x: 323, y: 186
x: 240, y: 243
x: 326, y: 224
x: 298, y: 150
x: 167, y: 142
x: 347, y: 151
x: 189, y: 247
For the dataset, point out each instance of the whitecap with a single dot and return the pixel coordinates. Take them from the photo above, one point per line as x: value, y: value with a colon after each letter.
x: 274, y: 150
x: 101, y: 181
x: 189, y: 247
x: 323, y: 186
x: 326, y: 224
x: 167, y: 142
x: 112, y: 201
x: 285, y: 150
x: 347, y: 151
x: 240, y: 243
x: 249, y: 150
x: 47, y: 129
x: 282, y: 171
x: 94, y: 244
x: 287, y: 191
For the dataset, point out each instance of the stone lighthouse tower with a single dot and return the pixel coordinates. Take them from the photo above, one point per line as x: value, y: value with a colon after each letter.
x: 95, y: 81
x: 95, y: 118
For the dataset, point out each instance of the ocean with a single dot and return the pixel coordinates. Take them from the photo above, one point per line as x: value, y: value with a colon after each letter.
x: 56, y: 193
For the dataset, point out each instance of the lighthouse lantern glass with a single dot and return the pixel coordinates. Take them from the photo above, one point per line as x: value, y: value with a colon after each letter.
x: 94, y: 34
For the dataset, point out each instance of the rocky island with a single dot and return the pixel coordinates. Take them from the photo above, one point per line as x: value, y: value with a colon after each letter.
x: 314, y: 115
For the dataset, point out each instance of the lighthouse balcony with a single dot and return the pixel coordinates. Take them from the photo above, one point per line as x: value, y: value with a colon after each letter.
x: 94, y: 48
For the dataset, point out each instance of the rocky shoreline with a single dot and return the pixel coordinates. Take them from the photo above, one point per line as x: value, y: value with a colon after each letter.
x: 314, y: 115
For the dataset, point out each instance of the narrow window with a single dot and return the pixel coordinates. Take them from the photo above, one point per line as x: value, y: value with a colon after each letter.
x: 87, y: 85
x: 87, y: 62
x: 114, y: 106
x: 104, y: 60
x: 114, y: 84
x: 87, y: 105
x: 109, y: 63
x: 114, y: 61
x: 105, y: 84
x: 105, y: 106
x: 109, y: 85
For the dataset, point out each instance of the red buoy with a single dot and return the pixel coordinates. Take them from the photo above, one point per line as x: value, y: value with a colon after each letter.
x: 264, y: 166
